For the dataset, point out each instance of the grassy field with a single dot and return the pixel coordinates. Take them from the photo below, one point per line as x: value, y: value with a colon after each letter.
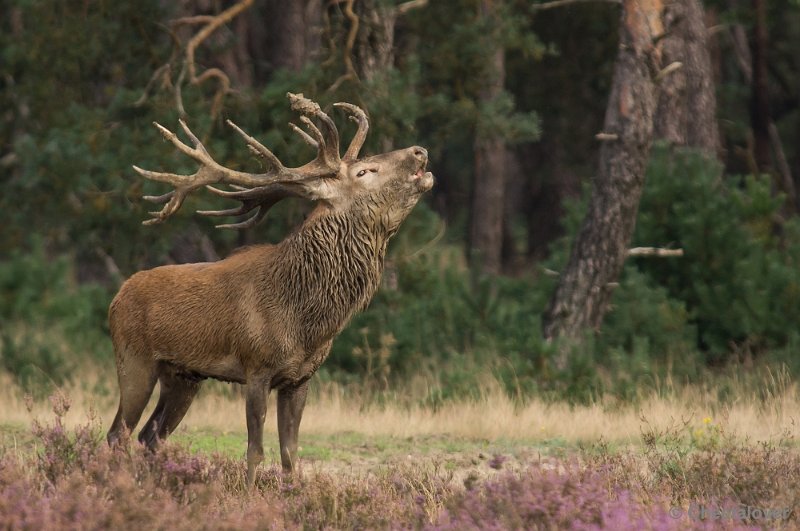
x: 386, y: 462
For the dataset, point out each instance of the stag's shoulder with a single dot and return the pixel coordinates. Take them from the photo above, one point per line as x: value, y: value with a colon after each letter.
x: 247, y: 256
x: 249, y: 250
x: 161, y: 278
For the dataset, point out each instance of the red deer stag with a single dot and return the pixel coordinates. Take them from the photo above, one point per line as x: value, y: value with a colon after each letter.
x: 265, y: 316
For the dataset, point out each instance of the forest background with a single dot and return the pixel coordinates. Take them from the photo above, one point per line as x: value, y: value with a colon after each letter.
x: 510, y: 99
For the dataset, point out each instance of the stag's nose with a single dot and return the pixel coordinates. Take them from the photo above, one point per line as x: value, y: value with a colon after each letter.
x: 420, y: 153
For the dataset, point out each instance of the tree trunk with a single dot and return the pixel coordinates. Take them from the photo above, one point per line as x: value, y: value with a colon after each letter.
x: 765, y: 133
x: 687, y: 103
x: 599, y: 250
x: 759, y: 94
x: 486, y: 224
x: 374, y: 47
x: 747, y: 62
x: 282, y: 34
x: 285, y: 40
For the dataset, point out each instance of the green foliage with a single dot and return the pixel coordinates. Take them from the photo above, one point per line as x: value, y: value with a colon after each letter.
x: 444, y: 323
x: 644, y: 321
x: 40, y: 306
x: 56, y: 54
x: 739, y: 276
x: 71, y: 206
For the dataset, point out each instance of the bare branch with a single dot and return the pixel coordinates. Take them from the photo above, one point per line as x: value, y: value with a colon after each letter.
x: 782, y: 164
x: 561, y: 3
x: 161, y: 73
x: 742, y: 51
x: 111, y: 266
x: 210, y: 24
x: 347, y: 54
x: 654, y: 251
x: 667, y: 70
x: 193, y: 20
x: 606, y: 137
x: 405, y: 7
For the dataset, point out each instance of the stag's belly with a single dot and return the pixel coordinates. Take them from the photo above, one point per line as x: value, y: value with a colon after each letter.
x: 225, y: 368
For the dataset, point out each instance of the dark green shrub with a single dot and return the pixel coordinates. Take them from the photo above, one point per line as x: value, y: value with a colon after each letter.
x: 739, y: 277
x: 51, y: 324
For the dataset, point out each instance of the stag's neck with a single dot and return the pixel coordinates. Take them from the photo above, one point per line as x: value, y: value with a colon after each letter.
x: 333, y: 268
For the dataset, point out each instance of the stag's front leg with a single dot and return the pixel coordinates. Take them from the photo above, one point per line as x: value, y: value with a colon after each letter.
x: 291, y: 401
x: 256, y: 410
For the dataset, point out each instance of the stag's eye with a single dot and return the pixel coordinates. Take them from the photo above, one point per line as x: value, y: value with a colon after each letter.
x: 364, y: 172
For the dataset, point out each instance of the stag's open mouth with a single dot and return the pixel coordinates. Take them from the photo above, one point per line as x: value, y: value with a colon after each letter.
x: 424, y: 179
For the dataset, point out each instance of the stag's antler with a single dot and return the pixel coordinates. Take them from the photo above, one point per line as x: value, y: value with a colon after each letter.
x: 261, y: 190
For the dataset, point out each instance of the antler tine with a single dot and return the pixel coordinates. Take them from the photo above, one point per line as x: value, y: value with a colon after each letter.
x: 258, y: 148
x: 262, y: 198
x: 257, y: 190
x: 196, y: 141
x: 198, y: 153
x: 305, y: 136
x: 252, y: 221
x: 315, y: 133
x: 157, y: 198
x: 329, y: 150
x: 358, y: 115
x: 174, y: 199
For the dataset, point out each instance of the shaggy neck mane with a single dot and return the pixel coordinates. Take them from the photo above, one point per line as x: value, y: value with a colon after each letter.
x: 332, y: 267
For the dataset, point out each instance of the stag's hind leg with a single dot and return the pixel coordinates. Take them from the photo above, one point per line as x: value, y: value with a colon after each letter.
x: 177, y: 394
x: 137, y: 377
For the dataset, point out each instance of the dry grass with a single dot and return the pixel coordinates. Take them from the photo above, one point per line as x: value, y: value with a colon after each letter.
x: 495, y: 417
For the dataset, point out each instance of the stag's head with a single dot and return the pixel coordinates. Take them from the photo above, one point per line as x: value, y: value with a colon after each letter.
x: 384, y: 186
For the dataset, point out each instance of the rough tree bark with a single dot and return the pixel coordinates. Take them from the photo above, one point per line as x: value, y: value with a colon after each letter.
x: 486, y: 223
x: 373, y: 50
x: 783, y: 174
x: 759, y: 92
x: 687, y: 103
x: 285, y: 39
x: 369, y: 47
x: 599, y: 250
x: 278, y: 34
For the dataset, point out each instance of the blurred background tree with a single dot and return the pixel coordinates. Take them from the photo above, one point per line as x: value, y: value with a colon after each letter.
x: 506, y: 95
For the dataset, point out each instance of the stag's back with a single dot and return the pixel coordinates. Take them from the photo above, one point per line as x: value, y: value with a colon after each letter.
x: 204, y: 317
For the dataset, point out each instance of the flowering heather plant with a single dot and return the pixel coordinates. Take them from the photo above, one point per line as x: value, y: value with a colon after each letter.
x: 497, y: 461
x: 62, y: 451
x: 540, y: 497
x: 75, y: 481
